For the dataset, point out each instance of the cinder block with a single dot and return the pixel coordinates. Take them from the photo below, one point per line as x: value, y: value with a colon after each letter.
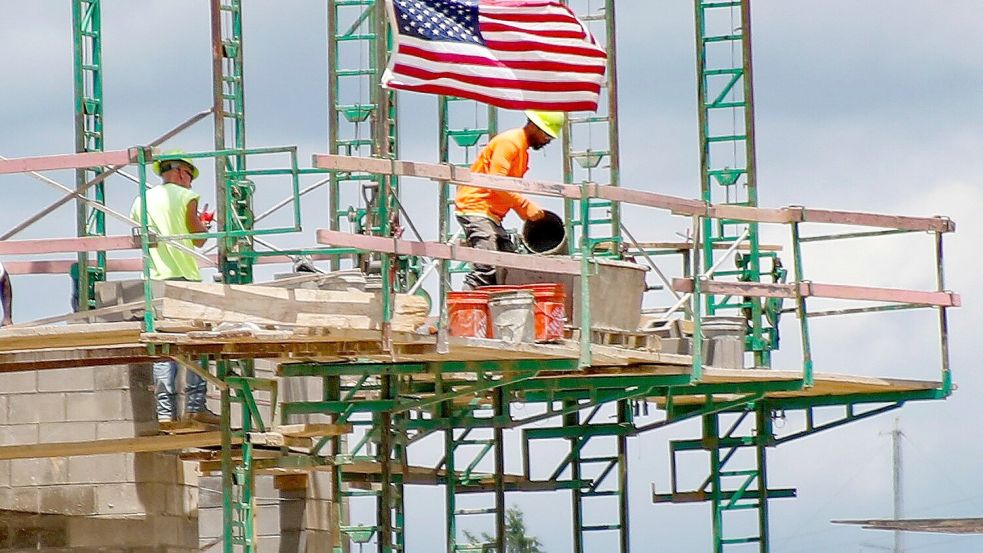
x: 180, y: 500
x: 113, y: 377
x: 4, y: 477
x: 318, y: 515
x: 210, y: 523
x: 312, y: 541
x: 85, y: 406
x: 319, y: 485
x: 41, y: 536
x: 27, y: 500
x: 210, y: 488
x: 19, y: 434
x: 98, y: 469
x: 3, y: 410
x: 18, y: 382
x: 68, y: 500
x: 38, y: 472
x: 126, y: 499
x: 135, y: 407
x: 141, y: 377
x: 108, y: 532
x: 75, y: 379
x: 175, y: 531
x: 279, y: 517
x: 36, y: 407
x: 52, y: 432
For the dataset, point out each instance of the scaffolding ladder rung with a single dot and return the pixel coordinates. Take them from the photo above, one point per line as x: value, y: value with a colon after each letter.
x: 601, y: 527
x: 475, y: 511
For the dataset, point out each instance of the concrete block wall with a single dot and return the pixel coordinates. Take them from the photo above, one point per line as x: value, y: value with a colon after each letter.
x: 131, y: 503
x: 126, y: 502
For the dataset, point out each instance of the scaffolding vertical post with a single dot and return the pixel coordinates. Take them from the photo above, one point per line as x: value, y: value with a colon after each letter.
x: 228, y: 513
x: 89, y: 137
x: 807, y: 376
x: 943, y: 316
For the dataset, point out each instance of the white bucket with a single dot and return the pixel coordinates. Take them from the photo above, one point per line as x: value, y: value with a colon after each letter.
x: 513, y: 319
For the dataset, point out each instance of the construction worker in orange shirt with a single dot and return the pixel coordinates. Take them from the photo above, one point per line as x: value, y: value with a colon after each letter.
x: 480, y: 210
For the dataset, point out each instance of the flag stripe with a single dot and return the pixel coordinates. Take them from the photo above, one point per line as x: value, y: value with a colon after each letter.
x: 558, y: 85
x: 533, y: 65
x: 507, y: 93
x: 527, y: 46
x: 578, y: 35
x: 535, y: 26
x: 499, y: 58
x: 524, y: 102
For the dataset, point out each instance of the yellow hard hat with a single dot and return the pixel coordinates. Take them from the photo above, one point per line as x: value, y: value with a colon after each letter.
x: 550, y: 122
x: 194, y: 169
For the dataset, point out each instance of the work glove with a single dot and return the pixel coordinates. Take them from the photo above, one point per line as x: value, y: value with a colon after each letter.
x: 206, y: 217
x: 535, y: 212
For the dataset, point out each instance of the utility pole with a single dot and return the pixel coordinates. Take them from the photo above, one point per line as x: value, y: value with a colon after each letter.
x: 896, y: 435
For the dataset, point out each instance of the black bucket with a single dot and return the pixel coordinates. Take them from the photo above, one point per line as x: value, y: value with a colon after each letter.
x: 545, y: 236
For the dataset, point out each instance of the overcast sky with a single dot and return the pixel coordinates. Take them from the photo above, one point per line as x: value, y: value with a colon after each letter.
x: 870, y: 106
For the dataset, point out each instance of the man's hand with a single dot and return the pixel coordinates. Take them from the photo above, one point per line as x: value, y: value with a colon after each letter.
x: 536, y: 213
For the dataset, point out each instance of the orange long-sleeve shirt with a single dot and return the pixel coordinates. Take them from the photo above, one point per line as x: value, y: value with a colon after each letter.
x: 507, y: 154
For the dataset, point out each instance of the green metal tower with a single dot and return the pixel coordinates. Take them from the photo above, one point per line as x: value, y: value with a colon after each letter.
x: 590, y: 145
x: 362, y: 116
x: 234, y: 192
x: 87, y: 38
x: 727, y: 162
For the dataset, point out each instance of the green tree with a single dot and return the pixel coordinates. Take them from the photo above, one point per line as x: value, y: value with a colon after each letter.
x: 516, y: 540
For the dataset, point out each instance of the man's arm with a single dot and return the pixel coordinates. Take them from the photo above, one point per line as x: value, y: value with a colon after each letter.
x: 193, y: 220
x: 500, y: 164
x: 7, y: 298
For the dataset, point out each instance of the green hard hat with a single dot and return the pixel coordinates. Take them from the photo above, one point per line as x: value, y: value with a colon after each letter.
x: 187, y: 160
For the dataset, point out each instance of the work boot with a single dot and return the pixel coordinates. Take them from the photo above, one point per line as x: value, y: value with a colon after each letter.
x: 204, y: 417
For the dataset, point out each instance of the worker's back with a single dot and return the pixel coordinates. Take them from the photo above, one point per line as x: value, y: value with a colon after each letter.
x: 507, y: 154
x: 167, y: 208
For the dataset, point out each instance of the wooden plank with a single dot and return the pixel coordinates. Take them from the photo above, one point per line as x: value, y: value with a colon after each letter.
x: 67, y: 161
x: 59, y: 358
x: 63, y: 266
x: 70, y: 245
x: 270, y: 305
x: 812, y: 289
x: 81, y: 335
x: 930, y: 224
x: 290, y: 482
x: 276, y: 439
x: 677, y: 205
x: 141, y: 444
x: 547, y: 264
x: 313, y: 429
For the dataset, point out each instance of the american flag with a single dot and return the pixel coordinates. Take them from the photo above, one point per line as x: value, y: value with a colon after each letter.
x: 514, y: 54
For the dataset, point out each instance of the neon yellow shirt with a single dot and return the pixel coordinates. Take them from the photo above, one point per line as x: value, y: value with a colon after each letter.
x: 167, y: 207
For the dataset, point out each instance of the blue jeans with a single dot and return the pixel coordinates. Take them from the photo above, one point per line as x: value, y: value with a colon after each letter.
x: 165, y: 377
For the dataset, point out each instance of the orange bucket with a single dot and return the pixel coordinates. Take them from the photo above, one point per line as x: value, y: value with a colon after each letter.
x: 467, y: 314
x: 549, y: 309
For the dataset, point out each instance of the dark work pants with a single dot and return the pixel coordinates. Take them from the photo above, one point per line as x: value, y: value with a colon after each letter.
x: 484, y: 234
